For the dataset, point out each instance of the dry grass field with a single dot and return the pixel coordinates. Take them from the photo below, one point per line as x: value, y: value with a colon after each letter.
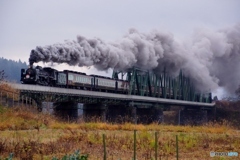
x: 32, y: 135
x: 29, y: 135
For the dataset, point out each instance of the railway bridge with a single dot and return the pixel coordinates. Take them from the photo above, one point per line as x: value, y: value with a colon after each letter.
x: 148, y: 97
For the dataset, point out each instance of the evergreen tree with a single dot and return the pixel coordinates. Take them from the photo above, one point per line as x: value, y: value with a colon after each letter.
x: 12, y: 69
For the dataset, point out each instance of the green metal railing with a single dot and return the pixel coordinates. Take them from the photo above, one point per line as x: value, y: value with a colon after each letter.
x: 146, y: 83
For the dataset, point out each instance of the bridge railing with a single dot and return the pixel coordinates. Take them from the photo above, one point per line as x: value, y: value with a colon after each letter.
x: 162, y: 85
x: 12, y: 97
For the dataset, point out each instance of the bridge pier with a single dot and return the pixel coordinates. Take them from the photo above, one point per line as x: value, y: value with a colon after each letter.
x: 95, y: 112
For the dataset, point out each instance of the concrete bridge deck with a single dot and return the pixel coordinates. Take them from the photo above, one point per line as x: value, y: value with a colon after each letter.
x: 104, y: 95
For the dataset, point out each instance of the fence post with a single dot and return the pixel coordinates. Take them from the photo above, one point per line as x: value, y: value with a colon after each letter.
x: 177, y: 147
x: 156, y: 145
x: 104, y: 148
x: 134, y: 146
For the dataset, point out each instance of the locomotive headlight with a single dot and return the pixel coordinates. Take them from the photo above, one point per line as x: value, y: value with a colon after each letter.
x: 27, y: 76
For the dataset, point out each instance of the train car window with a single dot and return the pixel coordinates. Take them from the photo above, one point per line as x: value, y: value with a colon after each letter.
x: 70, y: 77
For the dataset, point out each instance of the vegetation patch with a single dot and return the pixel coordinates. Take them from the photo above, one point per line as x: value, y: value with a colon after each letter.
x: 32, y: 135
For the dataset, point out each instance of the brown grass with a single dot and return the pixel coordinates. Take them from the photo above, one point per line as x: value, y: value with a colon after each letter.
x: 32, y: 135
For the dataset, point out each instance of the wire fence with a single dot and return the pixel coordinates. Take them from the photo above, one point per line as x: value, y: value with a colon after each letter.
x: 157, y: 156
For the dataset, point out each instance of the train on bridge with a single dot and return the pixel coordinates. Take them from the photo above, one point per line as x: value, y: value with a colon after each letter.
x: 137, y: 84
x: 48, y: 76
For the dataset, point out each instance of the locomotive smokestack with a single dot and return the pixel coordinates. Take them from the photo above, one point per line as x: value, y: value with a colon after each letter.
x: 32, y: 58
x: 209, y: 58
x: 31, y: 63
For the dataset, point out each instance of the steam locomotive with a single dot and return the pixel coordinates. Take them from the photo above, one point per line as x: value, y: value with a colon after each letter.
x: 48, y: 76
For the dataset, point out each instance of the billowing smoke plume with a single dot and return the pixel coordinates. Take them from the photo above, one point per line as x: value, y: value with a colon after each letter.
x: 210, y: 59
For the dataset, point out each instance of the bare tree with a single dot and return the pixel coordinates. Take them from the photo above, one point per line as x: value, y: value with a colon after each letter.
x: 2, y: 75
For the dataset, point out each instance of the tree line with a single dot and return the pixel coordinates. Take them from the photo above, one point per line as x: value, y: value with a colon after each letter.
x: 10, y: 70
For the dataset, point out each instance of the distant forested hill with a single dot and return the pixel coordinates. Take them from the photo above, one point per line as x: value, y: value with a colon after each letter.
x: 12, y: 69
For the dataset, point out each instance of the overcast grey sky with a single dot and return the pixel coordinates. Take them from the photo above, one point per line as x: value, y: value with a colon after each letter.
x: 26, y: 24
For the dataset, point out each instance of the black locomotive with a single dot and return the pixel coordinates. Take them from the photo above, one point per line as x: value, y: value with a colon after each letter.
x: 43, y: 76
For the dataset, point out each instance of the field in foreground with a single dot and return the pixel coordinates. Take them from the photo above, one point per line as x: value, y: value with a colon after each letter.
x: 32, y: 135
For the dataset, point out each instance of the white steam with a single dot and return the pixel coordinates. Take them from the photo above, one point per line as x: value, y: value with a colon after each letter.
x: 210, y: 59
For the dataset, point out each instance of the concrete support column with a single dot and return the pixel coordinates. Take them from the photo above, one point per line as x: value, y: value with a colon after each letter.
x: 95, y: 112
